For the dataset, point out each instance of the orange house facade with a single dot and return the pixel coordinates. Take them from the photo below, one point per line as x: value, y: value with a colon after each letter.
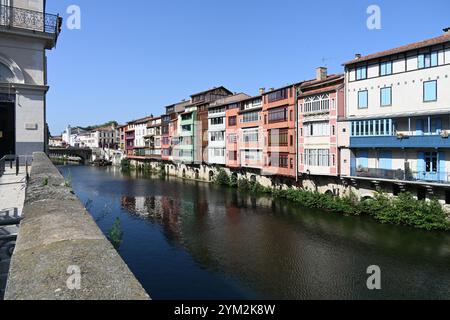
x: 279, y: 128
x: 245, y: 134
x: 321, y: 103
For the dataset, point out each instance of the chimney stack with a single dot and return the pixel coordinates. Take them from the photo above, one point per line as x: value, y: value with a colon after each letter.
x: 446, y: 30
x: 262, y: 91
x: 321, y: 73
x: 358, y: 56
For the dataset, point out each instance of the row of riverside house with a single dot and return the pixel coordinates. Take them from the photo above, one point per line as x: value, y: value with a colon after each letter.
x: 384, y: 123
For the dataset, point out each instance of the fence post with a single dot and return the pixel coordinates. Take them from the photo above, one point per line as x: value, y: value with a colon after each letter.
x: 17, y: 165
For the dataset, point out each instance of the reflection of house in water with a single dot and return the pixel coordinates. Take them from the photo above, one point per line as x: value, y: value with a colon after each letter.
x: 164, y: 211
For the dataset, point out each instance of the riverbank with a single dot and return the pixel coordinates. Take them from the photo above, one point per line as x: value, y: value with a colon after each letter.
x: 243, y: 245
x: 401, y: 210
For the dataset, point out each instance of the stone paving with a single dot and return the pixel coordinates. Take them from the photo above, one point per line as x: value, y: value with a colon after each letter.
x: 12, y: 197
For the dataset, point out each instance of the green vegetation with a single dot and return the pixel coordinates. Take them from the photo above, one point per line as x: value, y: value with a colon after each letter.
x: 107, y: 124
x: 115, y: 235
x: 401, y: 210
x: 125, y: 164
x: 68, y: 181
x: 222, y: 178
x: 45, y: 183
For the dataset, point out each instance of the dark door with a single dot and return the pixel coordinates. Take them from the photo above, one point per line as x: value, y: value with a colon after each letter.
x: 7, y: 129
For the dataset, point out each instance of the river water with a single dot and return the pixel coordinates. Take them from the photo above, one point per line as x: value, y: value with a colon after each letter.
x: 190, y: 240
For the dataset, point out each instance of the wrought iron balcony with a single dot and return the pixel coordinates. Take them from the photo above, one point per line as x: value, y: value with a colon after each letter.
x: 24, y: 19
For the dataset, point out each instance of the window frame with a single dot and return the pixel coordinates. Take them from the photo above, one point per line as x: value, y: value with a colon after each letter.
x: 390, y: 97
x: 386, y: 63
x: 367, y: 99
x: 365, y: 73
x: 435, y: 91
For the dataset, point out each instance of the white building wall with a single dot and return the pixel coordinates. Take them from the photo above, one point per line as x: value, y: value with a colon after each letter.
x: 407, y: 89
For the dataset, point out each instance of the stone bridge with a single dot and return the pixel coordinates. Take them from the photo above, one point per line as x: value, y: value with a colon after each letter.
x: 83, y: 153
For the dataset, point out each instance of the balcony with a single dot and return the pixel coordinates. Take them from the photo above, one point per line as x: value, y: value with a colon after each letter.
x: 18, y: 19
x: 402, y: 142
x: 402, y: 175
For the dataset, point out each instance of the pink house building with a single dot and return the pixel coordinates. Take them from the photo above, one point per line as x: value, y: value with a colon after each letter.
x: 321, y: 103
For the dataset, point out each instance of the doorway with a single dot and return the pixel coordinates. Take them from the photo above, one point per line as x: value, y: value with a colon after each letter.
x: 7, y: 129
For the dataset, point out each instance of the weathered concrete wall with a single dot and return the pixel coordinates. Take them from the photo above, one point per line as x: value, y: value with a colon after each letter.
x: 57, y: 232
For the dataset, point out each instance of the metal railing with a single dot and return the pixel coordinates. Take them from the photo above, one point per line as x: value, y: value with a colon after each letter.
x: 402, y: 175
x: 13, y: 17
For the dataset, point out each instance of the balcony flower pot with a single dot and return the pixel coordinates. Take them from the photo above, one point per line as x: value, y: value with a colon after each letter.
x: 401, y: 136
x: 445, y: 134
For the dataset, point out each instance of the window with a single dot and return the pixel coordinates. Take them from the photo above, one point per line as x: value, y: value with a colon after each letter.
x: 278, y: 115
x: 386, y: 68
x: 386, y: 97
x: 216, y: 121
x: 427, y: 60
x: 217, y: 136
x: 317, y: 157
x: 361, y: 73
x: 232, y: 138
x: 319, y: 103
x: 251, y: 155
x: 232, y: 121
x: 278, y: 138
x: 250, y: 117
x: 430, y: 91
x: 186, y: 128
x: 280, y: 160
x: 363, y: 99
x: 317, y: 129
x: 250, y: 136
x: 232, y: 155
x: 431, y: 162
x: 278, y: 95
x: 384, y: 127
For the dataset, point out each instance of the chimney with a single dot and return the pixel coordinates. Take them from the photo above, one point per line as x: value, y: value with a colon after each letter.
x: 262, y: 90
x: 358, y: 56
x: 446, y: 30
x: 321, y: 73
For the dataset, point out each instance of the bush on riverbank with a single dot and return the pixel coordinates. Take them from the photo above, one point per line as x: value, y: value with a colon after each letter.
x: 222, y: 178
x: 125, y: 165
x: 401, y: 210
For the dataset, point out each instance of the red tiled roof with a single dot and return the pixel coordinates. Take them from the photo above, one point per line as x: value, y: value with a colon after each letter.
x: 331, y: 83
x: 413, y: 46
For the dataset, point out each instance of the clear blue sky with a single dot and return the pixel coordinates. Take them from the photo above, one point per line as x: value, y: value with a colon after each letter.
x: 132, y: 58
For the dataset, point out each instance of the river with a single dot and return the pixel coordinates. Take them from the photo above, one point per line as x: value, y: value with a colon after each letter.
x: 191, y: 240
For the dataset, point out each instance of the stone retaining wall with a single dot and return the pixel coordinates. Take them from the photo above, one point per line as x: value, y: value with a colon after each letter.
x: 58, y: 238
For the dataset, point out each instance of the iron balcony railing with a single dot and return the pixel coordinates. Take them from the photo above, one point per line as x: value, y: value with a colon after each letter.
x: 402, y: 175
x: 13, y: 17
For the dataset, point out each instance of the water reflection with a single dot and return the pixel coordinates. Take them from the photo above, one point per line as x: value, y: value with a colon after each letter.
x: 211, y: 242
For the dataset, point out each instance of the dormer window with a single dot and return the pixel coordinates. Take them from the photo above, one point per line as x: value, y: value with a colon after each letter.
x: 361, y: 73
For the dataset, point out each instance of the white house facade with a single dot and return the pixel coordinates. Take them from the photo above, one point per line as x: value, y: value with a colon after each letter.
x: 398, y: 115
x: 26, y: 32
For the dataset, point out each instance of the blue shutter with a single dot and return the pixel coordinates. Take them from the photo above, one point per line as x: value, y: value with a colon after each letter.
x: 442, y: 167
x: 419, y: 127
x: 421, y: 164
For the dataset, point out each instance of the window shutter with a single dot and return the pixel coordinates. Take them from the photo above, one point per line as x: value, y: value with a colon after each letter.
x: 421, y: 163
x: 442, y: 167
